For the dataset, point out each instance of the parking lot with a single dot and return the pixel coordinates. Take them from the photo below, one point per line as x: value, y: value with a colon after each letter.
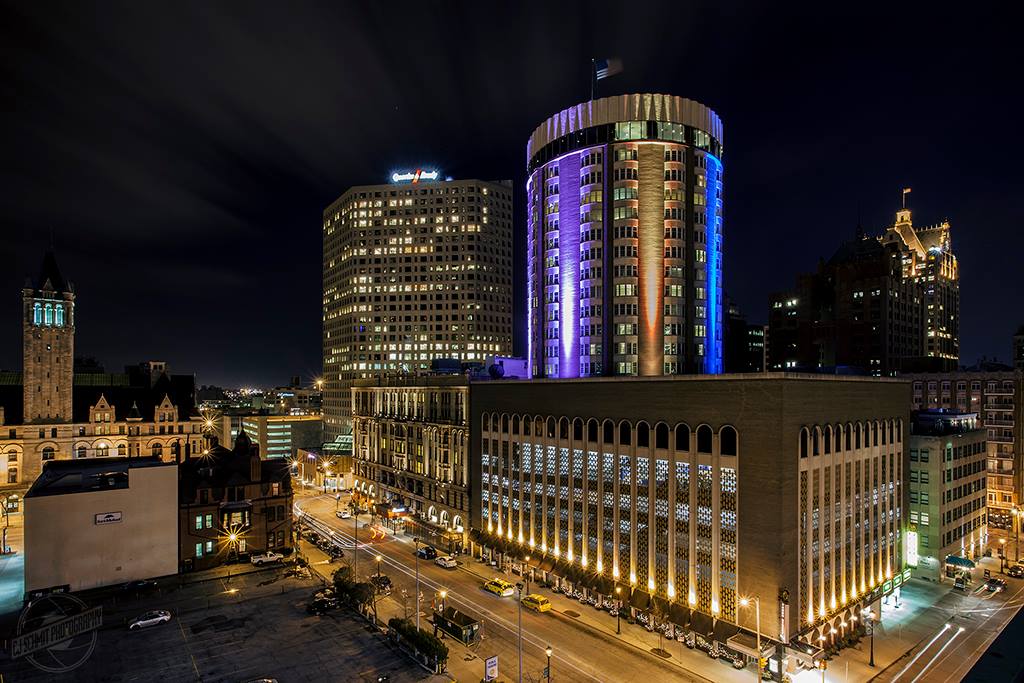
x: 229, y: 629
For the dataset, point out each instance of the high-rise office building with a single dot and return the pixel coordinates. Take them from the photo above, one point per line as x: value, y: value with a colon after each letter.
x: 928, y: 259
x: 858, y: 310
x: 624, y: 239
x: 414, y: 270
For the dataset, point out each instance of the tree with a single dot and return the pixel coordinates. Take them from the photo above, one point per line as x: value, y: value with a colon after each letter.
x: 364, y: 594
x: 343, y: 582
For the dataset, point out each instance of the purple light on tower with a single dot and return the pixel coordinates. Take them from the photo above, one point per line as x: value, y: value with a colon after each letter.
x: 569, y: 269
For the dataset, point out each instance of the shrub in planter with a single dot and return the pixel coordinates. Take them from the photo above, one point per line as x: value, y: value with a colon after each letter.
x: 423, y: 642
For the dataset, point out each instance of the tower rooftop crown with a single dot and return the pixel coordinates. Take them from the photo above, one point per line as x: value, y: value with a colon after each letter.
x: 50, y: 277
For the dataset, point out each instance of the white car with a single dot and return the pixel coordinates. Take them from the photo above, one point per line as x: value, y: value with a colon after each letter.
x: 266, y: 558
x: 343, y: 514
x: 446, y: 561
x: 150, y: 619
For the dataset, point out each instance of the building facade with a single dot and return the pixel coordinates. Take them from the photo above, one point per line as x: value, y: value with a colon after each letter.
x: 411, y: 454
x: 55, y: 411
x: 997, y: 397
x: 232, y: 502
x: 690, y: 492
x: 92, y: 523
x: 281, y: 436
x: 412, y: 271
x: 1018, y: 349
x: 928, y: 259
x: 857, y: 311
x: 947, y: 490
x: 624, y: 239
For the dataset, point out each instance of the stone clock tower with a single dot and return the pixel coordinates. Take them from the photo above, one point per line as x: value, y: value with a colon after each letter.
x: 48, y: 338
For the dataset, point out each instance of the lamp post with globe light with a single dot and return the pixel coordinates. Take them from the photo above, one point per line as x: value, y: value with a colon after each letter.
x: 745, y: 602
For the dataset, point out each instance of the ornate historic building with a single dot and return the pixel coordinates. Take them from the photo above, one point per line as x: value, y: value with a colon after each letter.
x: 411, y: 440
x: 50, y: 411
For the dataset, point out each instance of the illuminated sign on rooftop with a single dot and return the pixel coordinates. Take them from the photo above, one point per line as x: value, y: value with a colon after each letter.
x: 415, y: 176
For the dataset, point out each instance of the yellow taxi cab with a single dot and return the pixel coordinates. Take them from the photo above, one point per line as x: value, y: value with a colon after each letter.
x: 537, y: 602
x: 499, y: 587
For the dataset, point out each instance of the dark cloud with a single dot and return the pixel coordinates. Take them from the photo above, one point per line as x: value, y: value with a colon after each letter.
x: 182, y: 153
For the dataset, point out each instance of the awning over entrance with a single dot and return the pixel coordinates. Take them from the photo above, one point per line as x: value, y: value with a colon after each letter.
x: 805, y: 653
x: 640, y: 599
x: 679, y: 614
x: 701, y: 623
x: 962, y: 562
x: 745, y: 642
x: 724, y: 630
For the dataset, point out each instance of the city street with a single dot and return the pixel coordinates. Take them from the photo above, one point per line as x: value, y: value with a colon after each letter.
x: 583, y: 640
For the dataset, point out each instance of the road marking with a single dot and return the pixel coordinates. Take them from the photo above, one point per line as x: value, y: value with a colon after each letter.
x: 959, y: 630
x: 986, y: 642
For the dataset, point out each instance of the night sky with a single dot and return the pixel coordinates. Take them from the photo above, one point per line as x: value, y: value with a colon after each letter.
x: 182, y: 159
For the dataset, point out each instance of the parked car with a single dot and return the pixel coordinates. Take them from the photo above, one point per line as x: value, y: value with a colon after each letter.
x: 427, y: 552
x: 324, y: 594
x: 995, y: 585
x: 446, y: 561
x: 382, y: 583
x: 139, y: 586
x: 149, y: 619
x: 335, y: 552
x: 266, y: 558
x: 499, y: 587
x: 537, y: 603
x: 1016, y: 571
x: 322, y: 605
x: 960, y: 583
x: 343, y: 514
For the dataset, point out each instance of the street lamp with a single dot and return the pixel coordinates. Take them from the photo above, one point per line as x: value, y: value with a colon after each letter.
x: 1002, y: 554
x: 1017, y: 512
x: 745, y: 602
x: 869, y: 620
x: 548, y: 653
x: 519, y: 587
x: 380, y: 558
x: 618, y: 610
x: 443, y: 594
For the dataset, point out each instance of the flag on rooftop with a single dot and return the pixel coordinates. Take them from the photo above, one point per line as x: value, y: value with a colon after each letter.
x: 604, y: 68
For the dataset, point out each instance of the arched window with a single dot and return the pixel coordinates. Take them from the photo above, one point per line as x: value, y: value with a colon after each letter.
x: 858, y: 427
x: 704, y: 439
x: 727, y: 440
x: 643, y: 435
x: 504, y: 424
x: 528, y: 426
x: 625, y: 434
x: 891, y: 439
x: 803, y: 442
x: 551, y: 427
x: 48, y: 453
x: 37, y: 313
x: 827, y: 438
x: 60, y: 316
x: 122, y: 449
x: 49, y: 314
x: 592, y: 431
x: 838, y: 433
x: 849, y: 436
x: 515, y: 424
x: 883, y: 433
x: 577, y: 429
x: 563, y: 428
x: 661, y: 435
x: 682, y: 438
x: 817, y: 441
x: 81, y: 452
x: 103, y: 450
x: 609, y: 432
x: 158, y: 450
x: 874, y: 433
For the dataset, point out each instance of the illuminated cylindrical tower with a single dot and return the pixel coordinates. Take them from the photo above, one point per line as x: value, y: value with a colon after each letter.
x: 624, y: 230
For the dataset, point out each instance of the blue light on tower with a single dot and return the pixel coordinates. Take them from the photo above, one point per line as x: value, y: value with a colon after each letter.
x: 713, y: 344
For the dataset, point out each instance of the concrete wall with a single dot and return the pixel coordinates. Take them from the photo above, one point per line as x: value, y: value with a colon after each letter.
x: 64, y: 545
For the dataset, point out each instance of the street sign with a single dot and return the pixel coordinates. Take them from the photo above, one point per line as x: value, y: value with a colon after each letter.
x: 546, y: 673
x: 988, y: 573
x: 491, y: 669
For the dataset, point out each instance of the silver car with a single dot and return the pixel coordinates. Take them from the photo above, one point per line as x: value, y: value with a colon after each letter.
x: 150, y: 619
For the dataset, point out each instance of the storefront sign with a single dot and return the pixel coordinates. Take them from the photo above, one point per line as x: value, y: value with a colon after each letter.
x: 108, y: 518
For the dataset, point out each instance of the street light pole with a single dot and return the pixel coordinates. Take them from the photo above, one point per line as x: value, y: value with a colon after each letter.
x: 379, y: 559
x: 417, y: 542
x: 1016, y: 518
x: 869, y: 619
x: 355, y: 548
x: 744, y: 602
x: 519, y: 587
x: 548, y: 653
x: 618, y: 611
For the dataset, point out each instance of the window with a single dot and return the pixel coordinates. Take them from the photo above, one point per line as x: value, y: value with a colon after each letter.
x: 12, y: 475
x: 209, y: 521
x: 158, y: 450
x: 12, y: 456
x: 199, y: 549
x: 199, y: 521
x: 81, y: 452
x: 48, y: 453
